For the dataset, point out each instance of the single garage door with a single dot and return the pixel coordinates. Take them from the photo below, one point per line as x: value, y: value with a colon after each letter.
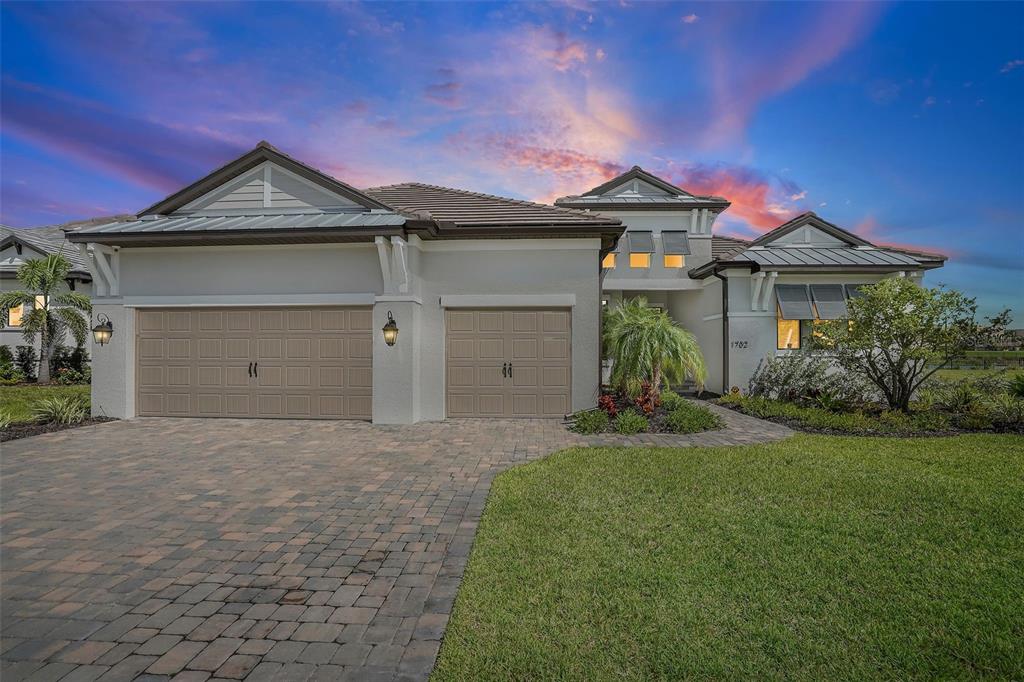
x: 508, y: 363
x: 295, y: 363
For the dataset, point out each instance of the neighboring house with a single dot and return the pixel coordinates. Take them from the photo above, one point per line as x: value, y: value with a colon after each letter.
x: 744, y: 300
x: 262, y: 290
x: 20, y: 245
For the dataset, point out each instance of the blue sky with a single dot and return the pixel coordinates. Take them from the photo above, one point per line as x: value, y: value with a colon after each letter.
x: 902, y: 122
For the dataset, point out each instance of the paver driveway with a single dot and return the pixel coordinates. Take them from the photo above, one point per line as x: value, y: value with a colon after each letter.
x: 253, y: 549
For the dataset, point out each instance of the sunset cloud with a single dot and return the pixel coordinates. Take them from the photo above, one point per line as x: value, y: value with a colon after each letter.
x: 759, y: 200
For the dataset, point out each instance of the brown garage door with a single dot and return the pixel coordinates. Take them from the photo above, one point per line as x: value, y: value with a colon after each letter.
x: 508, y: 363
x: 296, y: 363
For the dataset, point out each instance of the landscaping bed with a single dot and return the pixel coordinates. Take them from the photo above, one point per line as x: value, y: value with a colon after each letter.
x: 814, y: 558
x: 26, y: 429
x: 32, y: 409
x: 668, y: 412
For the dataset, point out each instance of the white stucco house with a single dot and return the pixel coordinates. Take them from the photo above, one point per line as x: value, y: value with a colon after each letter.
x: 20, y: 245
x: 263, y: 289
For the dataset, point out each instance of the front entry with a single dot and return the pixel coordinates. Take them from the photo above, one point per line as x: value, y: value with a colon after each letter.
x: 287, y: 362
x: 508, y: 362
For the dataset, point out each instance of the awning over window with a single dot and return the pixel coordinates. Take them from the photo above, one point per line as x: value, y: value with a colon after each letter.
x: 853, y: 291
x: 640, y: 242
x: 829, y: 301
x: 794, y: 302
x: 675, y: 242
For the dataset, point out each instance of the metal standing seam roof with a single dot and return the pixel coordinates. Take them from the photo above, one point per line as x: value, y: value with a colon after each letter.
x: 637, y: 199
x: 291, y: 221
x: 824, y: 256
x: 464, y: 208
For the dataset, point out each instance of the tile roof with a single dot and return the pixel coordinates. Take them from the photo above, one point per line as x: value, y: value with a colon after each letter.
x: 49, y: 239
x: 473, y: 209
x: 722, y: 246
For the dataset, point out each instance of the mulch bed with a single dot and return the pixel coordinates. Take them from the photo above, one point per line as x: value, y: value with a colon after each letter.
x: 24, y: 430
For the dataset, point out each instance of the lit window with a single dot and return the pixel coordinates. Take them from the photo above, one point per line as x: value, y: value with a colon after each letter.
x: 40, y: 301
x: 609, y: 261
x: 14, y: 316
x: 674, y: 261
x: 788, y: 334
x: 639, y: 260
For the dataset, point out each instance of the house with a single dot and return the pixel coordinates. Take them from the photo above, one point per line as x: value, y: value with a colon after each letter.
x: 743, y: 300
x: 269, y: 289
x: 20, y: 245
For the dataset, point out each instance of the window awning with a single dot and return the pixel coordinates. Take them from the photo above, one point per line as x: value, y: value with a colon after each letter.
x: 829, y: 301
x: 794, y: 302
x: 854, y: 291
x: 640, y: 242
x: 675, y: 242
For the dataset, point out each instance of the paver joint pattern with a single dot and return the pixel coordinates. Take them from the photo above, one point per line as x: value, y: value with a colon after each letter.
x: 189, y: 549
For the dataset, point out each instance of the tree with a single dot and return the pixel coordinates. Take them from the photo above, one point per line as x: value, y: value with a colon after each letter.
x: 898, y: 334
x: 55, y: 308
x: 644, y: 344
x: 996, y: 333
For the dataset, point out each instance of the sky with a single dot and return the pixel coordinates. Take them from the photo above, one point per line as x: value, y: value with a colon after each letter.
x: 901, y: 122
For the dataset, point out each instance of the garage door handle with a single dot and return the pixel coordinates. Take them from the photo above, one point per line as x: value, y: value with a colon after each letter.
x: 504, y: 370
x: 250, y: 370
x: 510, y: 370
x: 256, y: 369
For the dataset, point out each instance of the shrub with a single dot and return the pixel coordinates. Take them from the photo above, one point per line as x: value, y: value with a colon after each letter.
x: 806, y: 376
x: 607, y: 404
x: 64, y: 358
x: 648, y: 399
x: 930, y: 420
x: 1005, y: 410
x: 690, y: 418
x: 27, y: 360
x: 977, y: 418
x: 893, y: 422
x: 5, y: 419
x: 10, y: 375
x: 670, y: 400
x: 67, y: 376
x: 591, y: 421
x: 1016, y: 387
x: 6, y: 356
x: 65, y: 409
x: 630, y: 422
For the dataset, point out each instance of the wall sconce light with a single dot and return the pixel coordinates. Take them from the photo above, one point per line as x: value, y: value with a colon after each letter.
x: 390, y: 331
x: 103, y: 330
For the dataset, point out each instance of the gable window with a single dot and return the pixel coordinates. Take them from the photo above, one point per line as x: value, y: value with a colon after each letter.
x: 14, y: 316
x: 608, y: 261
x: 641, y: 246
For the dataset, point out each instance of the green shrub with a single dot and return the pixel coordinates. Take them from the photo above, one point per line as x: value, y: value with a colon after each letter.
x: 690, y: 418
x: 630, y: 422
x: 9, y: 374
x: 67, y: 376
x: 591, y: 421
x: 65, y: 409
x: 807, y: 376
x: 842, y: 422
x: 27, y: 360
x: 1016, y: 387
x: 670, y: 400
x: 6, y: 356
x: 1005, y: 410
x: 930, y: 420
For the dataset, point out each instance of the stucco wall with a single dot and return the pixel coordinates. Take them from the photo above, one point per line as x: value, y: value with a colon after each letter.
x: 12, y: 336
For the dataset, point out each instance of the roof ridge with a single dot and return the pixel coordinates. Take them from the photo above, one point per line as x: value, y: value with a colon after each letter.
x: 484, y: 195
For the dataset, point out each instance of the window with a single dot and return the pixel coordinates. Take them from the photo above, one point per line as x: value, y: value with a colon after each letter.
x: 788, y: 334
x: 639, y: 260
x: 14, y: 316
x: 609, y: 261
x: 675, y: 261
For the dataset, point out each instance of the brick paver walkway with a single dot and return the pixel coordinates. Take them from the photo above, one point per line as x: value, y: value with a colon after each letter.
x: 229, y: 549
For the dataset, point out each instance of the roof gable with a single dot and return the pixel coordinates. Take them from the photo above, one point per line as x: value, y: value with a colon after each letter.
x: 637, y: 181
x: 261, y: 154
x: 809, y: 229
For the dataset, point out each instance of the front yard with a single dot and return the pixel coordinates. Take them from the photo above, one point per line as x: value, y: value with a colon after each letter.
x: 17, y: 401
x: 812, y: 558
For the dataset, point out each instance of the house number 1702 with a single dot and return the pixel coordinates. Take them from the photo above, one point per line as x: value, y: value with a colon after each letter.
x: 740, y: 344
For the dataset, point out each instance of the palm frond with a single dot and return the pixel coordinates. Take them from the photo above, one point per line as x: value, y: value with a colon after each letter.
x: 73, y: 299
x: 73, y: 321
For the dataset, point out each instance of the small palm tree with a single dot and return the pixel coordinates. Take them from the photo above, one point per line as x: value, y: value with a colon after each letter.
x: 54, y: 306
x: 644, y: 344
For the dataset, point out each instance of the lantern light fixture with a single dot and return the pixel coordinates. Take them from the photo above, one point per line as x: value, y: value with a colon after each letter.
x: 103, y: 330
x: 390, y: 331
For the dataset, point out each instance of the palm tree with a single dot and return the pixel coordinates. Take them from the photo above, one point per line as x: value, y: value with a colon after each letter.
x: 644, y: 344
x: 54, y: 306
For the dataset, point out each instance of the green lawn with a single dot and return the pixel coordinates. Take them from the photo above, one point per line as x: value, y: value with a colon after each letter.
x: 957, y: 374
x: 17, y: 400
x: 813, y: 558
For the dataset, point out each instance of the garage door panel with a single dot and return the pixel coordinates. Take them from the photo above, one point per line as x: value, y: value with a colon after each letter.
x: 308, y: 362
x: 535, y: 344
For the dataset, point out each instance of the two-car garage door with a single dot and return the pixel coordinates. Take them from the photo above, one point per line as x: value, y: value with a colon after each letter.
x: 306, y: 363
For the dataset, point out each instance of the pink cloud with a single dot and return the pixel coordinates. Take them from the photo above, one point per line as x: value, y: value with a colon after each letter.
x: 690, y: 19
x: 555, y: 47
x: 1012, y: 65
x: 446, y: 92
x: 870, y: 229
x: 758, y: 200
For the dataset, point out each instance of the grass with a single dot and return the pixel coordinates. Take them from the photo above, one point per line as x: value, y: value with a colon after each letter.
x: 812, y: 558
x: 958, y: 374
x: 17, y: 401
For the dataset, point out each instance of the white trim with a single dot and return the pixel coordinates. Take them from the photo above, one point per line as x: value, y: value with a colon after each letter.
x: 687, y: 284
x: 709, y: 318
x: 389, y: 298
x: 253, y: 300
x: 267, y: 194
x: 100, y: 254
x: 400, y: 266
x: 255, y: 247
x: 385, y: 263
x: 766, y: 294
x: 694, y: 229
x: 756, y: 280
x: 581, y: 244
x: 508, y: 301
x: 718, y: 316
